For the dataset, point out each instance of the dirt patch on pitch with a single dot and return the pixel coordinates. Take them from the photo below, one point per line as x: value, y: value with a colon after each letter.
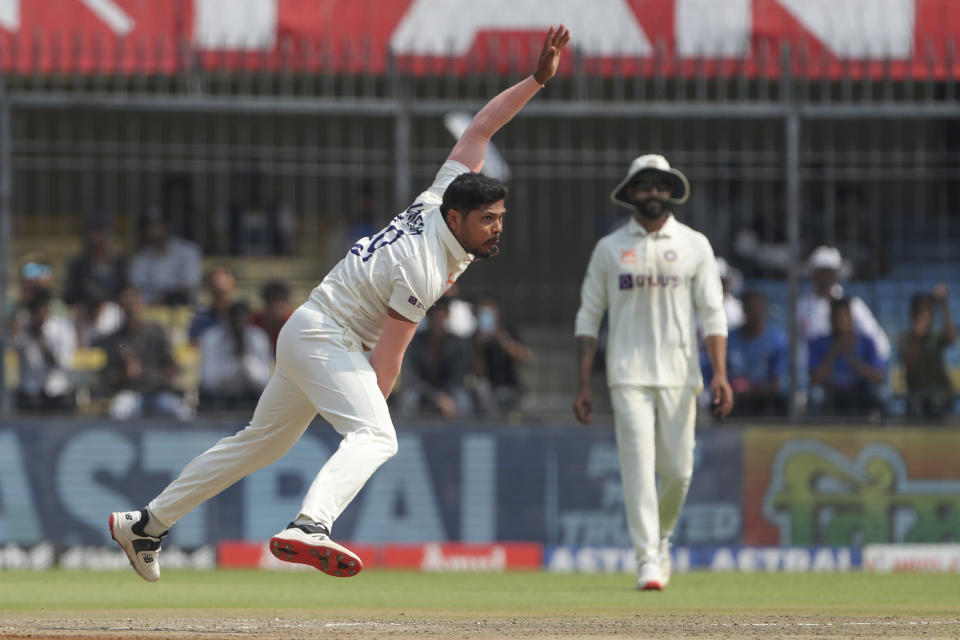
x: 202, y: 627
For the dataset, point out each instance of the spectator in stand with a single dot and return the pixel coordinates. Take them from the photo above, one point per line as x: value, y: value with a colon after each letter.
x: 827, y: 266
x: 276, y: 309
x: 845, y: 367
x: 758, y: 361
x: 140, y: 366
x: 45, y: 346
x: 167, y: 270
x: 498, y: 352
x: 236, y: 361
x: 221, y: 287
x: 929, y: 392
x: 94, y: 279
x: 35, y: 274
x: 435, y: 369
x: 731, y: 279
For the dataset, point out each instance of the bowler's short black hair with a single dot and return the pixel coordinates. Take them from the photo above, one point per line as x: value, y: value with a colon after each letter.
x: 469, y: 191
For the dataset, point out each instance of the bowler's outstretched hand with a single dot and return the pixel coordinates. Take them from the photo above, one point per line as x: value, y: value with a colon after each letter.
x: 557, y: 38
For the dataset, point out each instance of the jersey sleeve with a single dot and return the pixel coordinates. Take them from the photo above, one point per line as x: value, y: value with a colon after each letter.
x: 593, y: 296
x: 450, y: 170
x: 411, y: 291
x: 708, y: 293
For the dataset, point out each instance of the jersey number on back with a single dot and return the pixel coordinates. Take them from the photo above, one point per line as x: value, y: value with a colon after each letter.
x: 410, y: 222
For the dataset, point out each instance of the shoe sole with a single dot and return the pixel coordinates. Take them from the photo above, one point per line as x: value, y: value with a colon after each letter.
x: 127, y: 553
x: 333, y: 561
x: 652, y: 585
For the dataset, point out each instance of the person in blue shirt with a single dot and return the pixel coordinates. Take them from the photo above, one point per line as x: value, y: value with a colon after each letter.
x: 757, y: 361
x: 845, y: 367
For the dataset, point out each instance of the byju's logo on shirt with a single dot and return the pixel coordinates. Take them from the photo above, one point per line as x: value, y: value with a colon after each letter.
x: 416, y: 303
x: 642, y: 280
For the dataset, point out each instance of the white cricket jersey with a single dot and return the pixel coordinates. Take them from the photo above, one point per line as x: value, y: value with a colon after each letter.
x: 653, y: 284
x: 406, y: 266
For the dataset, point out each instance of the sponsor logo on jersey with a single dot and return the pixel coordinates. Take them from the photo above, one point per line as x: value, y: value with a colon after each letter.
x: 645, y: 280
x: 416, y: 303
x: 628, y: 256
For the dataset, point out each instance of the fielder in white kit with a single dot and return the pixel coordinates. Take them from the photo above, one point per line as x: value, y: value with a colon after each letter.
x: 372, y: 299
x: 652, y: 275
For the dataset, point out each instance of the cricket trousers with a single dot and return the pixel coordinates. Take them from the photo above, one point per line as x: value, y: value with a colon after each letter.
x: 655, y: 437
x: 320, y: 369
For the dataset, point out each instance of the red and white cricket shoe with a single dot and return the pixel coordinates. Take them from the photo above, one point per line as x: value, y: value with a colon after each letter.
x: 650, y: 578
x: 311, y: 544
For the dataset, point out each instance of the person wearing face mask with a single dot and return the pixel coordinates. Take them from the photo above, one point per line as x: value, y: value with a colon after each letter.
x: 498, y: 352
x: 653, y: 275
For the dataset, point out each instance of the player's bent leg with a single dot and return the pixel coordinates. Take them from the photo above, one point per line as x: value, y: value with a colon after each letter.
x: 143, y: 551
x: 282, y: 415
x: 345, y: 393
x: 311, y: 545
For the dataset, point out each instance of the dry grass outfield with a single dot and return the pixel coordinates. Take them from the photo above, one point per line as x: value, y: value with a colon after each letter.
x: 386, y: 604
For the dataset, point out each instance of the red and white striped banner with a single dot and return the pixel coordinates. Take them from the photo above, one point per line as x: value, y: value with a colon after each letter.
x: 716, y: 37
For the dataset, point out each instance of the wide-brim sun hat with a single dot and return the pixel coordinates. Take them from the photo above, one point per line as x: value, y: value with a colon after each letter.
x: 652, y: 163
x: 827, y: 257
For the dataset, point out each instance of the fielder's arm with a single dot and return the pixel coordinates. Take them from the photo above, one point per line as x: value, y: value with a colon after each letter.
x: 472, y: 145
x: 719, y: 386
x: 583, y: 404
x: 387, y: 357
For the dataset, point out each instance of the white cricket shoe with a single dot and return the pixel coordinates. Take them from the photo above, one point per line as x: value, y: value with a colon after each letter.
x: 649, y: 578
x: 665, y: 560
x: 126, y: 527
x: 311, y: 544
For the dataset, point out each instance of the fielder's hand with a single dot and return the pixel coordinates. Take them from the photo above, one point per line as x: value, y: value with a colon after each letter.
x: 553, y: 45
x: 722, y: 396
x: 583, y: 405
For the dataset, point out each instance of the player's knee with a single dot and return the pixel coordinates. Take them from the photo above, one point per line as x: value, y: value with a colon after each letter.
x: 391, y: 446
x: 675, y: 474
x: 387, y: 441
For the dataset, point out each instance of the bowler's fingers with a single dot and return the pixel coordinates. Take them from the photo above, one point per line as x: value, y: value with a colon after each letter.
x: 548, y: 41
x: 555, y: 40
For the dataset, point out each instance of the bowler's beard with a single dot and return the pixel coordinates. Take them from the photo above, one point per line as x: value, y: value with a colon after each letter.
x: 494, y: 250
x: 651, y: 208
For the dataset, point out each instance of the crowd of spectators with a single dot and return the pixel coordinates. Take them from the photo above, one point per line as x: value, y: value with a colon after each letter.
x: 465, y: 360
x: 844, y: 357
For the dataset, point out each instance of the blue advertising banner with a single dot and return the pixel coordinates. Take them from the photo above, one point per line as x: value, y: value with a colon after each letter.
x: 465, y: 482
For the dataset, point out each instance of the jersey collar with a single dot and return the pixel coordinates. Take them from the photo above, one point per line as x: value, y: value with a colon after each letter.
x: 453, y: 245
x: 668, y: 229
